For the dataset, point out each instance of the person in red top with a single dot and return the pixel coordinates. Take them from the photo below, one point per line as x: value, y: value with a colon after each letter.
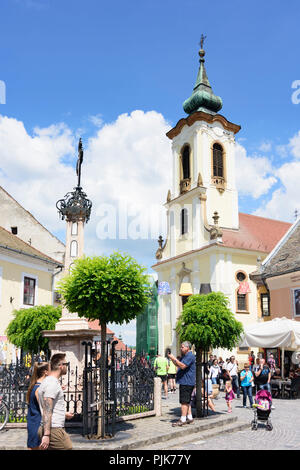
x: 251, y: 360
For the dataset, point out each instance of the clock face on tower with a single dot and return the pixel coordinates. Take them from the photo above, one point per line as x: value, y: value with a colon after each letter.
x: 218, y: 132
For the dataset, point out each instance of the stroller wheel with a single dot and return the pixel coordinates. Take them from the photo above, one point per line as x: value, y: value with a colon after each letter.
x: 254, y: 426
x: 269, y: 427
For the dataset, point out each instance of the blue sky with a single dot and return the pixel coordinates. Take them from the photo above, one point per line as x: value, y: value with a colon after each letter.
x: 116, y: 73
x: 67, y: 59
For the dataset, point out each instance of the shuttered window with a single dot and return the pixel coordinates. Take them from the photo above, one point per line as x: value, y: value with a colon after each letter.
x: 218, y: 164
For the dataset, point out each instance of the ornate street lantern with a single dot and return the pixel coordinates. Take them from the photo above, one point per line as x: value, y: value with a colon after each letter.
x: 75, y: 206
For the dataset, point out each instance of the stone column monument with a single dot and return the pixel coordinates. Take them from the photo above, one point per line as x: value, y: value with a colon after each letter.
x: 70, y: 331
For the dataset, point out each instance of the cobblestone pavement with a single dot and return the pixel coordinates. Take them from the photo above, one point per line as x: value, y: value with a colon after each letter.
x: 285, y: 433
x: 128, y: 433
x: 284, y: 436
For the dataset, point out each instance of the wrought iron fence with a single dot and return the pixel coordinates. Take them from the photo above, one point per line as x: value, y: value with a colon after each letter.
x: 14, y: 382
x: 129, y: 387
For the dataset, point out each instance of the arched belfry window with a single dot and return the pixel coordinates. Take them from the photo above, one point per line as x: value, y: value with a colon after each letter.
x: 186, y: 162
x: 184, y: 221
x: 185, y: 178
x: 74, y: 249
x: 218, y: 160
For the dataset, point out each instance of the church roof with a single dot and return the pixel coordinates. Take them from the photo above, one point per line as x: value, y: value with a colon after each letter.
x: 13, y: 243
x: 255, y: 233
x: 285, y: 256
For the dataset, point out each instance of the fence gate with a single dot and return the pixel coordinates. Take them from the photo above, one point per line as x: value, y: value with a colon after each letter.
x: 129, y: 387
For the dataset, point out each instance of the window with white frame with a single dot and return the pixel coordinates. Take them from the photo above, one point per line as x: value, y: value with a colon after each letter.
x: 265, y: 304
x: 29, y: 290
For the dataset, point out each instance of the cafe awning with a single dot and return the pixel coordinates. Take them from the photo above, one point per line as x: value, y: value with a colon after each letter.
x: 277, y: 333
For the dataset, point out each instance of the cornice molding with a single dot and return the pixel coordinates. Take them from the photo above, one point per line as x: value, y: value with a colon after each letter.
x: 201, y: 116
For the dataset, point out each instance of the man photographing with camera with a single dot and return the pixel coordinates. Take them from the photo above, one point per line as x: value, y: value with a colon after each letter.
x: 186, y: 378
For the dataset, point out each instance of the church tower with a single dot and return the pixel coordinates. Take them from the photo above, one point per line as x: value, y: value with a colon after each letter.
x: 210, y: 246
x: 203, y: 196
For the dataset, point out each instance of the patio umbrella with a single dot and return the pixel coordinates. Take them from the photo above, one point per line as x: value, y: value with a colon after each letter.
x: 278, y: 333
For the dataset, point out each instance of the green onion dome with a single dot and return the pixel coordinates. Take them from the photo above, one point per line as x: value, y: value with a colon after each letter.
x: 202, y: 98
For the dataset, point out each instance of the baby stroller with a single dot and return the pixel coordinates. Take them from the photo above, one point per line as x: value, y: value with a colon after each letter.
x: 262, y: 410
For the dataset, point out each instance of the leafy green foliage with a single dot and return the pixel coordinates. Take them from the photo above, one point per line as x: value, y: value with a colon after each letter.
x: 111, y: 288
x: 207, y: 322
x: 25, y: 330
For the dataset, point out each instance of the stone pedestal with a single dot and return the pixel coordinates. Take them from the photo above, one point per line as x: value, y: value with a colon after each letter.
x: 70, y: 343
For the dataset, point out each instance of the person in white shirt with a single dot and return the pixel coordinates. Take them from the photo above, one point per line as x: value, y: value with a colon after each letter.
x: 214, y: 372
x: 232, y: 368
x: 51, y: 398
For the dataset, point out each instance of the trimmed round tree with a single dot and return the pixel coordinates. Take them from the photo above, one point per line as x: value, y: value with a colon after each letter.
x: 25, y: 330
x: 207, y: 322
x: 110, y: 289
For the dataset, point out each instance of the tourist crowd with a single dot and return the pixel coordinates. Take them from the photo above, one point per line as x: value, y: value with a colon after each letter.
x: 218, y: 375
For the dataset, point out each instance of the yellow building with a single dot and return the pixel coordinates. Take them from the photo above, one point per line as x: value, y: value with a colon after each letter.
x: 209, y: 244
x: 26, y: 279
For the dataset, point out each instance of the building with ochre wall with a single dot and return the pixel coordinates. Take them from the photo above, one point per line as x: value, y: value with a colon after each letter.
x: 27, y: 279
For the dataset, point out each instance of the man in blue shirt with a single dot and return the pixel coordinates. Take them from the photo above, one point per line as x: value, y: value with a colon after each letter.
x: 186, y: 378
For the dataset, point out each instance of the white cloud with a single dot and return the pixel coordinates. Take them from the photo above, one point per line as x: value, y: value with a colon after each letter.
x: 126, y: 161
x: 294, y: 145
x: 282, y: 150
x: 254, y: 174
x: 96, y: 119
x: 284, y: 200
x: 32, y: 168
x: 292, y: 148
x: 265, y: 147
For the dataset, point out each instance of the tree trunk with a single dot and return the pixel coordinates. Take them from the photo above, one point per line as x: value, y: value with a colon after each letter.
x: 101, y: 417
x: 199, y: 398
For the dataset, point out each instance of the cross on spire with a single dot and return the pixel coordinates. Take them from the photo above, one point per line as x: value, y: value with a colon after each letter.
x: 202, y: 41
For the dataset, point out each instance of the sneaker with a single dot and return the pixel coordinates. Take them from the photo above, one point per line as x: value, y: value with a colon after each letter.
x: 179, y: 423
x: 189, y: 421
x: 229, y: 411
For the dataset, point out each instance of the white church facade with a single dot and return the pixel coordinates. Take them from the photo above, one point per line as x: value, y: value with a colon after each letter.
x: 210, y: 246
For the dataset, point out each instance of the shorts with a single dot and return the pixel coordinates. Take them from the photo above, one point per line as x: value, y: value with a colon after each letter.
x: 185, y: 393
x: 171, y: 376
x: 163, y: 377
x: 59, y: 439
